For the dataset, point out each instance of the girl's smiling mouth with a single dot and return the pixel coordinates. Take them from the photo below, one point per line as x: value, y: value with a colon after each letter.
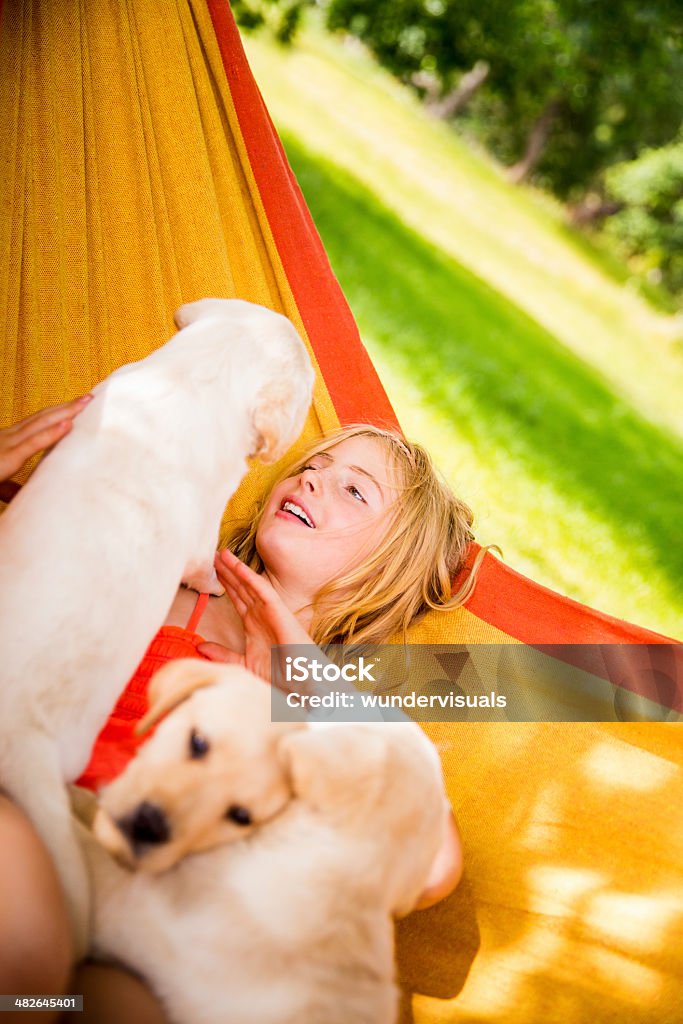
x: 294, y: 509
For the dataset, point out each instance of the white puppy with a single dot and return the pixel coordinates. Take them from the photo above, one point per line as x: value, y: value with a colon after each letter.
x: 127, y: 506
x: 294, y: 922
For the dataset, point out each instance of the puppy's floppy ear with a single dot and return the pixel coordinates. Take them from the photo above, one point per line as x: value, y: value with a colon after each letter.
x: 191, y: 311
x: 339, y: 770
x: 274, y: 421
x: 173, y: 684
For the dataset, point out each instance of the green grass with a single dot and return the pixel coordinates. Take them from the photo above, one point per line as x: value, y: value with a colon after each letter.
x: 568, y: 447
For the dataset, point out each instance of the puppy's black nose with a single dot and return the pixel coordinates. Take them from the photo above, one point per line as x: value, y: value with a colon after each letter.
x: 146, y: 825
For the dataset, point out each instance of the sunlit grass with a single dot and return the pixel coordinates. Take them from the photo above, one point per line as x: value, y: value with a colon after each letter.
x: 339, y: 105
x: 530, y: 379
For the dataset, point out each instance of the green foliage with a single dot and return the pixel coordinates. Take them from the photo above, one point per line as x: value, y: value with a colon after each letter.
x: 283, y: 17
x: 650, y: 225
x: 608, y: 78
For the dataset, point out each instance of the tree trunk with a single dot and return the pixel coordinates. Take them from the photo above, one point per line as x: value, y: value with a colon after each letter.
x: 456, y: 100
x: 592, y: 208
x: 536, y: 143
x: 429, y: 84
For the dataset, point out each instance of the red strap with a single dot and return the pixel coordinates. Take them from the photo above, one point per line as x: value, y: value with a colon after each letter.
x: 200, y: 606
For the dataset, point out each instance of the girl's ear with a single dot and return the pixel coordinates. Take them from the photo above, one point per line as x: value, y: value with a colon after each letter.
x: 173, y: 683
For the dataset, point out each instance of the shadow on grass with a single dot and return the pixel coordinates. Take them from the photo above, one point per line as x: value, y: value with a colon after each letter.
x: 478, y: 358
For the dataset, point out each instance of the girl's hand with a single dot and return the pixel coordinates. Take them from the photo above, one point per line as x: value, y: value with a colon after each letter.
x: 266, y: 618
x: 19, y: 442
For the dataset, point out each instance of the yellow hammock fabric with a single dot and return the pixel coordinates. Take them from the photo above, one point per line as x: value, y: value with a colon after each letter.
x: 140, y: 171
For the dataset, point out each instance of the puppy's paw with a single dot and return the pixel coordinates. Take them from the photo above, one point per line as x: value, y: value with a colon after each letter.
x: 204, y: 580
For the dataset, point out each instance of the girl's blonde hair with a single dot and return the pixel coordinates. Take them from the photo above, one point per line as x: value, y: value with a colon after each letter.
x: 410, y: 568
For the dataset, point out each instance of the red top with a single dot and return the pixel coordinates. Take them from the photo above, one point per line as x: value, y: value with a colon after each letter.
x: 117, y: 744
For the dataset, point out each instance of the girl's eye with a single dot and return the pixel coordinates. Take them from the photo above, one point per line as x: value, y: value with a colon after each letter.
x: 355, y: 493
x: 309, y: 465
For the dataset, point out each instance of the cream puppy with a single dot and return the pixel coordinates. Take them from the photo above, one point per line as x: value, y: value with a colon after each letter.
x: 294, y: 923
x: 127, y: 506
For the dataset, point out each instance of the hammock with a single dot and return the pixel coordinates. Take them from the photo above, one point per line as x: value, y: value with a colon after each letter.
x: 141, y: 171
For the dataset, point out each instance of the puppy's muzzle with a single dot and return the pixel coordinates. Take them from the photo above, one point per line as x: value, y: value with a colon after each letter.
x: 147, y: 825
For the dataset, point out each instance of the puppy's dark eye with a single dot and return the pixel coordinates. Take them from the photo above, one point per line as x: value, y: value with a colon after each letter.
x: 240, y: 815
x: 199, y: 745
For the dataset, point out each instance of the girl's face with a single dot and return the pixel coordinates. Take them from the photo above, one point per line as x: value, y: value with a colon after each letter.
x: 328, y: 517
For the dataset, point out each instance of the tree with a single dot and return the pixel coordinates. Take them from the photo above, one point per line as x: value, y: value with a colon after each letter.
x: 572, y: 87
x: 282, y: 16
x: 649, y: 224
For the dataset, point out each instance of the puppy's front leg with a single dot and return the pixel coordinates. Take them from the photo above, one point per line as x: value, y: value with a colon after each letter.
x: 112, y: 892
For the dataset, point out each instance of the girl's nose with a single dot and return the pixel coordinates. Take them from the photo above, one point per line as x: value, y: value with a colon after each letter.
x: 310, y: 478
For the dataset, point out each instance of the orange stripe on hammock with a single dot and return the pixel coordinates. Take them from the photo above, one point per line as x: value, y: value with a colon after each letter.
x: 351, y: 379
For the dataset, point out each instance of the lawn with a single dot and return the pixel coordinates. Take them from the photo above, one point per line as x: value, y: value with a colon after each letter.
x: 547, y: 390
